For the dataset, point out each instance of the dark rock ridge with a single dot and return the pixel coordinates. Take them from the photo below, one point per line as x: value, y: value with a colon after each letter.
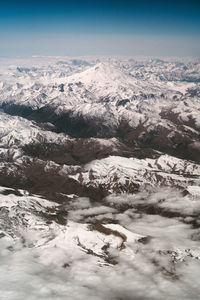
x: 66, y: 122
x: 179, y: 144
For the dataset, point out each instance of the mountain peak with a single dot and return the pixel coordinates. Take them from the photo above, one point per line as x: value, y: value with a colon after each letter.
x: 101, y: 73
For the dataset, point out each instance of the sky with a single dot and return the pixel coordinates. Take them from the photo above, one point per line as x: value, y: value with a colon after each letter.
x: 74, y: 28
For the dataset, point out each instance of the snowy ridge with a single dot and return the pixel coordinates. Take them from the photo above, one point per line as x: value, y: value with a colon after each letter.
x: 15, y: 132
x: 19, y: 131
x: 116, y: 171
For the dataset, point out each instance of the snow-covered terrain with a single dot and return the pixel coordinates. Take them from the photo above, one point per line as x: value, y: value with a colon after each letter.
x: 100, y: 178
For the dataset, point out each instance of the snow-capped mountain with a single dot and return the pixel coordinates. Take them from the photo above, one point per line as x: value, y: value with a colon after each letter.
x: 110, y: 99
x: 100, y: 176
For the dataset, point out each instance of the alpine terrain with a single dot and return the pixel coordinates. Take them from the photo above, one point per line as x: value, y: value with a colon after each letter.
x: 99, y: 178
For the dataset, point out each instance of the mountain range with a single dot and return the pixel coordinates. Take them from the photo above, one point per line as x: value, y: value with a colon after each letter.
x: 100, y: 176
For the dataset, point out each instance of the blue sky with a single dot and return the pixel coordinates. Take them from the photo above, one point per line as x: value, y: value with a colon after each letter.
x: 140, y: 27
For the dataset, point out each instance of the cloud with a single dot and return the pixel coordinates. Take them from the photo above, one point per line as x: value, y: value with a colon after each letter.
x: 58, y: 265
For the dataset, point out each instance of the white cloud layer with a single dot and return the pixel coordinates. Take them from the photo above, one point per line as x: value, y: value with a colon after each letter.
x: 51, y: 261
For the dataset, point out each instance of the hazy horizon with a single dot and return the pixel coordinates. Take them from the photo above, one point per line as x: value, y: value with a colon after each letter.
x: 112, y: 28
